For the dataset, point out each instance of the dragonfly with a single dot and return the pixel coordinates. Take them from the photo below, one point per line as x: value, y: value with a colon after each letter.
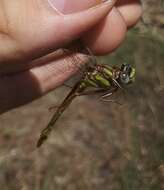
x: 96, y: 78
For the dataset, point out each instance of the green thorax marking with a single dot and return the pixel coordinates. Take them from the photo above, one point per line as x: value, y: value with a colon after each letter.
x: 101, y: 77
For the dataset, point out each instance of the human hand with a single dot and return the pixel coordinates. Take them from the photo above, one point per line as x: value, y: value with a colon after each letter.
x: 31, y: 31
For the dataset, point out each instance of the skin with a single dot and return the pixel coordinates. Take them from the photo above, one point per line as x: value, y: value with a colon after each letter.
x: 31, y: 32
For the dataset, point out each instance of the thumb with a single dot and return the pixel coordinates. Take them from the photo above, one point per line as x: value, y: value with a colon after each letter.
x: 71, y: 26
x: 42, y: 31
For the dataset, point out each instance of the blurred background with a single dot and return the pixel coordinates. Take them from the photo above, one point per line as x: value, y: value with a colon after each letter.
x: 96, y: 145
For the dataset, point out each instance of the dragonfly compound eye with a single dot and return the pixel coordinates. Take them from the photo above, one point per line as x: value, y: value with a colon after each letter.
x: 124, y: 77
x: 127, y: 74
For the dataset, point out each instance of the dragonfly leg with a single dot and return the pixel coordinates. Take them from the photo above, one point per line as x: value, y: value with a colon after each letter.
x: 104, y: 98
x: 117, y: 84
x: 110, y: 100
x: 108, y: 94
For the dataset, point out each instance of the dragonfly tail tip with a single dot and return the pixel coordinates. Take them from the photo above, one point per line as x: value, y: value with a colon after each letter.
x: 40, y: 141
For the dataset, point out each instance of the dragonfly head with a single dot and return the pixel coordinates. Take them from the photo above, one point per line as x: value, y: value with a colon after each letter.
x: 127, y: 73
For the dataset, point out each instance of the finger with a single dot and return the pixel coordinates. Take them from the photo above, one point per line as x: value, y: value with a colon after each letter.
x: 54, y: 56
x: 45, y: 31
x: 131, y: 11
x: 72, y: 6
x: 107, y: 35
x: 22, y: 88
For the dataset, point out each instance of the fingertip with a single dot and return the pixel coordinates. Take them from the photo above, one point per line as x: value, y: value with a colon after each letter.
x: 78, y: 23
x: 108, y: 35
x: 131, y: 11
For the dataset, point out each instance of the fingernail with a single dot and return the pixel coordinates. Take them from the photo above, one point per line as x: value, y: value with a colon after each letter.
x: 71, y: 6
x: 58, y: 5
x: 104, y: 2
